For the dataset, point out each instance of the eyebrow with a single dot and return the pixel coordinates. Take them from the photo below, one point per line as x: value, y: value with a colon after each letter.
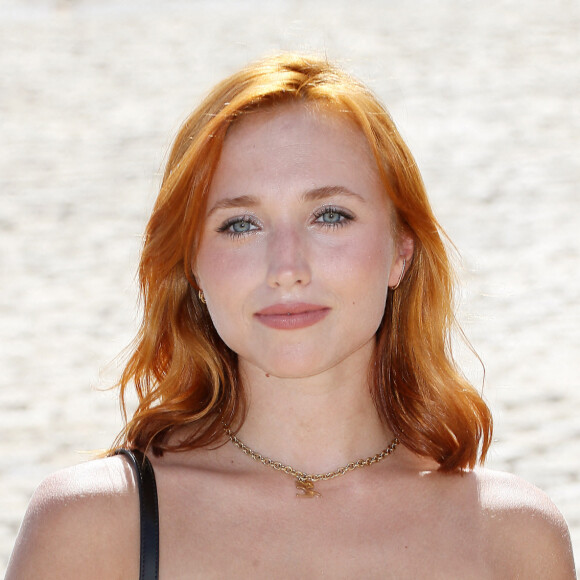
x: 317, y: 194
x: 321, y: 193
x: 240, y: 201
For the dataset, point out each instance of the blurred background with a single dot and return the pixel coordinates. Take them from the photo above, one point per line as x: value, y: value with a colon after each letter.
x: 91, y: 95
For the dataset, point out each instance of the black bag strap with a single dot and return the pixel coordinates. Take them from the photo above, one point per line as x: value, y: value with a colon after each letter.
x: 149, y: 513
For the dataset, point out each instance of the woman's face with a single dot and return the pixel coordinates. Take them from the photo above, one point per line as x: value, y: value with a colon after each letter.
x: 297, y: 249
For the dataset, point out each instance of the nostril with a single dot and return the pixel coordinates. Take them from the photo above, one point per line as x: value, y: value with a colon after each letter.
x: 287, y: 277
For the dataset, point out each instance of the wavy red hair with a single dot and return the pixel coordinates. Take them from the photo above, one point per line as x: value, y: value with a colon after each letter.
x: 185, y: 375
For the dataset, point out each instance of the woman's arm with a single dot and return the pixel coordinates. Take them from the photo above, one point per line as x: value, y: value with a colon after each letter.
x: 82, y: 522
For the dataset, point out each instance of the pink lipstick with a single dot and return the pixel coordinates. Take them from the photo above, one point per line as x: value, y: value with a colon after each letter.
x: 291, y: 316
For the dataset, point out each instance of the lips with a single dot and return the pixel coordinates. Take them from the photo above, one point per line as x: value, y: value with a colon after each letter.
x: 291, y: 316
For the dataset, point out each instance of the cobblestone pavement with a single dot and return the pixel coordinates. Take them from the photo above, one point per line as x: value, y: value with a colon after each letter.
x: 92, y: 92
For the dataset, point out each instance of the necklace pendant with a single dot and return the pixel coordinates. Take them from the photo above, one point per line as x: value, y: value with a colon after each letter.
x: 306, y: 489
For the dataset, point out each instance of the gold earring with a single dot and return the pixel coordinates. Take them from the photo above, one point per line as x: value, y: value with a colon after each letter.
x: 201, y: 296
x: 401, y: 276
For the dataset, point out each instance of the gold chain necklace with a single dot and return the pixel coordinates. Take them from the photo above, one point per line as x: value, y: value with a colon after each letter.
x: 305, y: 481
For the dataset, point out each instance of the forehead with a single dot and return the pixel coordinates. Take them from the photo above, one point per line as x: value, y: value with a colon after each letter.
x: 295, y: 144
x: 275, y: 122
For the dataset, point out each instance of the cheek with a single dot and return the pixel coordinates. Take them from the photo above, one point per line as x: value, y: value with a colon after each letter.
x: 364, y: 262
x: 227, y: 280
x: 223, y: 297
x: 217, y: 270
x: 367, y: 279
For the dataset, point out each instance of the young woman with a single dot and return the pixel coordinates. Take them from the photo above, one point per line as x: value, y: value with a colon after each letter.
x: 298, y: 400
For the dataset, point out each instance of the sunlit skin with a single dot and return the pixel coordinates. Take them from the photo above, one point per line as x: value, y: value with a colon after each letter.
x: 297, y: 256
x: 298, y: 248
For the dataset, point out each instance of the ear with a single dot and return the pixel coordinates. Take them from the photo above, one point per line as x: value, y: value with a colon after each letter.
x: 402, y: 259
x: 195, y: 275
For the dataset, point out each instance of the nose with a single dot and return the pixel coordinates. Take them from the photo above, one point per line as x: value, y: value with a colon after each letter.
x: 287, y: 260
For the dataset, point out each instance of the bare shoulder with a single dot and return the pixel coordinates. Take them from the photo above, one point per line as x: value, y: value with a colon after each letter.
x: 526, y: 533
x: 82, y: 522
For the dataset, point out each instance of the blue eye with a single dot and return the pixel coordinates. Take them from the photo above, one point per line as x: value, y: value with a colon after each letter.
x: 241, y: 226
x: 238, y: 226
x: 333, y: 217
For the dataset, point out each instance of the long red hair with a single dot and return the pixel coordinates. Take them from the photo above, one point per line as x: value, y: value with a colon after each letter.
x: 184, y: 374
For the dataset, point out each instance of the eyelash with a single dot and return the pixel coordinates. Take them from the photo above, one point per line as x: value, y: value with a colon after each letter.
x: 345, y: 218
x: 225, y: 228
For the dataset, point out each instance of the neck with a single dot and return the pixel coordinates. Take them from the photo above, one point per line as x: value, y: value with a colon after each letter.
x: 314, y: 424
